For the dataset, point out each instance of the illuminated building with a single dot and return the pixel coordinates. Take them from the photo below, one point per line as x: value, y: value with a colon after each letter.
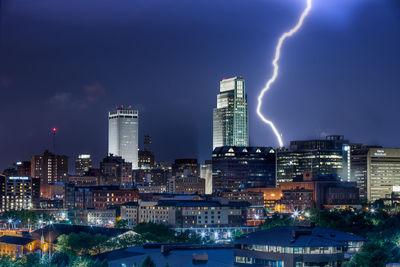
x: 17, y: 194
x: 310, y: 192
x: 117, y: 168
x: 320, y: 157
x: 123, y: 129
x: 102, y: 199
x: 206, y: 174
x: 196, y: 214
x: 235, y: 168
x: 230, y: 118
x: 49, y: 168
x: 377, y: 172
x: 146, y: 156
x: 82, y: 164
x: 185, y: 168
x: 130, y: 213
x: 189, y: 185
x: 295, y: 246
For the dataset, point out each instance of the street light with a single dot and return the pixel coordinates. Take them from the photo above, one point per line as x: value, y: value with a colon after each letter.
x: 372, y: 210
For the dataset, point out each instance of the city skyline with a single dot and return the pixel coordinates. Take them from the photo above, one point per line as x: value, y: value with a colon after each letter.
x: 69, y: 97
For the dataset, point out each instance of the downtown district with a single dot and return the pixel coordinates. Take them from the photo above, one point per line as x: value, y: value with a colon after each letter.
x: 234, y: 192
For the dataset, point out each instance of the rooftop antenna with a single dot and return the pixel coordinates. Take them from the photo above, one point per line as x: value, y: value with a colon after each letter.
x: 53, y: 131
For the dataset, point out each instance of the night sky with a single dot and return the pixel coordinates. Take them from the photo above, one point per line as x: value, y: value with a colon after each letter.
x: 66, y: 63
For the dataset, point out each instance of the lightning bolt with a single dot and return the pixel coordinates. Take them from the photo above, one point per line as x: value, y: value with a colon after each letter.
x: 283, y: 37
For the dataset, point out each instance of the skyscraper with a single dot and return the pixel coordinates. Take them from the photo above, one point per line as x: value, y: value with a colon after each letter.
x: 123, y: 129
x: 320, y: 157
x: 82, y: 164
x: 230, y: 118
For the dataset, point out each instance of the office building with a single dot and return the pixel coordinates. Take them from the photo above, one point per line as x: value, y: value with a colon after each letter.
x: 185, y: 168
x: 123, y: 129
x: 146, y: 156
x: 320, y: 157
x: 103, y: 198
x: 310, y: 192
x: 235, y: 168
x: 130, y: 212
x: 376, y: 171
x: 49, y: 168
x: 116, y: 169
x: 214, y: 218
x: 294, y: 246
x: 206, y: 174
x: 17, y: 193
x: 189, y: 185
x: 83, y: 164
x: 230, y: 118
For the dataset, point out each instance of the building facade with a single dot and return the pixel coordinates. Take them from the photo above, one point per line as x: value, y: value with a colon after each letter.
x: 296, y: 246
x: 230, y: 118
x: 320, y: 157
x: 235, y: 168
x: 82, y: 164
x: 49, y: 168
x: 377, y: 172
x: 123, y: 130
x: 116, y: 167
x: 17, y: 193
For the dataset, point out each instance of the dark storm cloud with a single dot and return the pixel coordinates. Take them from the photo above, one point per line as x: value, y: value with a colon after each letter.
x: 90, y: 94
x: 67, y: 63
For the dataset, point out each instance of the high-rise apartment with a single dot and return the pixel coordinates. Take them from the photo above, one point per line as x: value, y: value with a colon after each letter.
x: 123, y: 129
x: 230, y: 118
x: 82, y: 164
x: 49, y: 168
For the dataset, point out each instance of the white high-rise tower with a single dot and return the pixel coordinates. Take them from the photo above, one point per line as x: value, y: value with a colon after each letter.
x: 123, y: 134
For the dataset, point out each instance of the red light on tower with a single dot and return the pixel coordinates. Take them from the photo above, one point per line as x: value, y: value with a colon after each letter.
x: 54, y: 129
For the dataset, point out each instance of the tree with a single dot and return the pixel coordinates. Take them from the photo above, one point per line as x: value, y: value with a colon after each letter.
x: 60, y: 259
x: 87, y: 262
x: 123, y: 224
x: 148, y: 262
x: 159, y: 233
x: 80, y: 244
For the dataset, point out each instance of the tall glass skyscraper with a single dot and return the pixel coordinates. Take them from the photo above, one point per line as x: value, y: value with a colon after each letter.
x: 230, y: 118
x: 123, y: 129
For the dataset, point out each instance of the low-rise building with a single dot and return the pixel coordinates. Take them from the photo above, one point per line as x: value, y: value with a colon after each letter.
x: 93, y: 217
x: 294, y: 246
x: 102, y: 199
x: 130, y: 213
x: 205, y: 217
x: 17, y: 246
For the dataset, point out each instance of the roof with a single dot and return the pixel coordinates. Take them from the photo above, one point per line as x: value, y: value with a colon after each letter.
x: 16, y: 240
x: 243, y: 149
x: 221, y: 257
x: 297, y: 236
x: 201, y: 203
x: 132, y: 203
